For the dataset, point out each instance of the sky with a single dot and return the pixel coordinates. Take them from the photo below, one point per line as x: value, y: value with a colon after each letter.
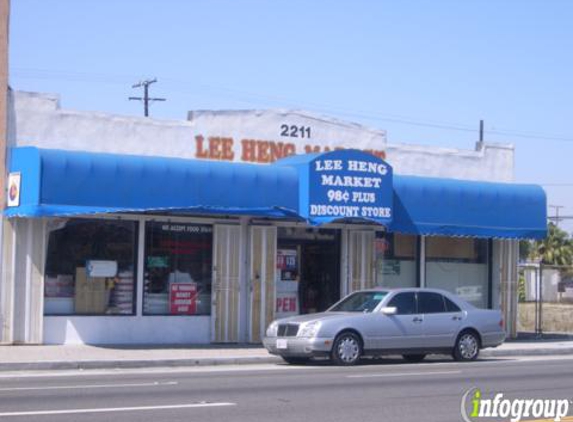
x: 426, y: 71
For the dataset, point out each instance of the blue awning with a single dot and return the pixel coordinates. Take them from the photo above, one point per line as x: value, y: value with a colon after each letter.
x: 67, y: 183
x: 449, y: 207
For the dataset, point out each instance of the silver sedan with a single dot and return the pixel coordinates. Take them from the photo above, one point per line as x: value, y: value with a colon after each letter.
x: 410, y: 322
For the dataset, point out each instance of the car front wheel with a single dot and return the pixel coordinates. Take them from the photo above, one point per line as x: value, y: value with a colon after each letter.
x: 347, y: 349
x: 467, y: 347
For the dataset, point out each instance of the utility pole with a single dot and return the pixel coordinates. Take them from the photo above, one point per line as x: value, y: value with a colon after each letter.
x: 479, y: 145
x: 557, y: 208
x: 146, y: 100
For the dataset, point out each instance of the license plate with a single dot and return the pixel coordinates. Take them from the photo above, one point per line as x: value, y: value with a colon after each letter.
x: 282, y: 343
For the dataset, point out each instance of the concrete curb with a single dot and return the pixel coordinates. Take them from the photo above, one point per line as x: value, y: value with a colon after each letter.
x: 210, y: 361
x: 527, y: 352
x: 134, y: 364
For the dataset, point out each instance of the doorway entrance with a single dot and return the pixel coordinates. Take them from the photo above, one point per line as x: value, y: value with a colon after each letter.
x: 262, y: 276
x: 308, y: 265
x: 225, y: 312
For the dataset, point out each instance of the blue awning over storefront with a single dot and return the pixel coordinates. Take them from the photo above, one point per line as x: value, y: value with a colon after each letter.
x: 450, y: 207
x: 67, y: 183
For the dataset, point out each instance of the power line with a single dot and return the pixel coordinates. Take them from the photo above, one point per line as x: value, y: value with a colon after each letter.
x: 556, y: 218
x: 146, y: 99
x: 82, y: 76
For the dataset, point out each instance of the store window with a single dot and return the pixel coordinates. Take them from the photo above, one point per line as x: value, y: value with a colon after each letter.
x: 460, y: 266
x: 90, y: 267
x: 178, y: 260
x: 396, y: 260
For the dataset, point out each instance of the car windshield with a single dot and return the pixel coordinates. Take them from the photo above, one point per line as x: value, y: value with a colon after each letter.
x: 359, y: 302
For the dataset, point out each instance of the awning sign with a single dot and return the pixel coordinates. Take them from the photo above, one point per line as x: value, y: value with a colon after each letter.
x: 349, y: 184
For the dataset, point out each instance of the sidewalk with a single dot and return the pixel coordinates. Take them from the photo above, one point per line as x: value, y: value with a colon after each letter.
x: 14, y: 358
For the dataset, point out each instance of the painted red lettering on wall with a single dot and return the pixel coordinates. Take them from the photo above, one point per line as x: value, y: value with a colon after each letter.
x: 257, y: 151
x: 217, y: 148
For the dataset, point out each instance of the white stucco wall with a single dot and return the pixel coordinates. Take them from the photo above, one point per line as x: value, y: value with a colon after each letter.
x: 492, y: 163
x: 39, y: 121
x: 126, y: 330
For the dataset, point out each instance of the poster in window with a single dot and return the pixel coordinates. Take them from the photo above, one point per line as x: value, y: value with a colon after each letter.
x: 287, y: 264
x: 391, y: 267
x: 470, y: 293
x: 183, y: 298
x: 286, y: 304
x: 100, y: 268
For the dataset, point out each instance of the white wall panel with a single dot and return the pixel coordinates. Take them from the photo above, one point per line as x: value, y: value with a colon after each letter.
x: 127, y: 330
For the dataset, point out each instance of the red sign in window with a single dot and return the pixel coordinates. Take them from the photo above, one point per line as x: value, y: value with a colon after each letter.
x: 183, y: 298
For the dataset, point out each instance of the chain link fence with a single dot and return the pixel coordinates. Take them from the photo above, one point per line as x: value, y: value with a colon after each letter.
x: 545, y: 300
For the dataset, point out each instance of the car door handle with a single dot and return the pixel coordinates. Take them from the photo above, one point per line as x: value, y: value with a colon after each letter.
x: 417, y: 319
x: 457, y: 318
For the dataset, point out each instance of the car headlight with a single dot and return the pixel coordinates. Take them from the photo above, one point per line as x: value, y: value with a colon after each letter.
x: 309, y: 329
x: 273, y: 329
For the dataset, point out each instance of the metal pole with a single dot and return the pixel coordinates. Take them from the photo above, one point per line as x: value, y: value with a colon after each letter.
x: 540, y: 299
x: 536, y: 307
x: 146, y: 100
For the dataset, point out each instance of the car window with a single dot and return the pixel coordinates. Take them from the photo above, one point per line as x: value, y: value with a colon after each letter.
x: 451, y: 306
x: 405, y: 303
x: 430, y: 303
x: 359, y: 302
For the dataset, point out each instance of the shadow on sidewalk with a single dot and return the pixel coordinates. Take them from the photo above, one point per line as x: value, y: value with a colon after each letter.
x: 541, y: 337
x: 209, y: 346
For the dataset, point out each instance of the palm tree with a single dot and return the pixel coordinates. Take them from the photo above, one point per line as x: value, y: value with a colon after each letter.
x: 555, y: 249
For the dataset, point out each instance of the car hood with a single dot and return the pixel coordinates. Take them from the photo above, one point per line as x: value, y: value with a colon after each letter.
x: 315, y: 317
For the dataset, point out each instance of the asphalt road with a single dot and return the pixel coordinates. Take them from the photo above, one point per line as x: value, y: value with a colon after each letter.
x: 387, y: 390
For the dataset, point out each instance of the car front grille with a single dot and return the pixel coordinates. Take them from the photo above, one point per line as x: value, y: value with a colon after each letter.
x: 287, y: 330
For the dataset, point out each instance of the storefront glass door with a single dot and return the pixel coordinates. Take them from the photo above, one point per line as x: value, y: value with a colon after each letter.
x: 226, y: 284
x: 308, y: 270
x: 361, y: 260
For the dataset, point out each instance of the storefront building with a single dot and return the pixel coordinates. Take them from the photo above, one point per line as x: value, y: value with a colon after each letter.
x: 130, y: 230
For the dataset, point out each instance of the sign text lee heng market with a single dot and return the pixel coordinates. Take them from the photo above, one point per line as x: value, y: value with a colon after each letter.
x: 353, y: 191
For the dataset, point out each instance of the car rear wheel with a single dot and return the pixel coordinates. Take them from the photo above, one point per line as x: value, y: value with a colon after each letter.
x: 467, y: 346
x: 347, y: 349
x: 292, y: 360
x: 414, y: 358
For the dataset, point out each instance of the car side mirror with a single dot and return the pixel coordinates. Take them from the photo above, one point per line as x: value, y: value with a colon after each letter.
x: 389, y: 310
